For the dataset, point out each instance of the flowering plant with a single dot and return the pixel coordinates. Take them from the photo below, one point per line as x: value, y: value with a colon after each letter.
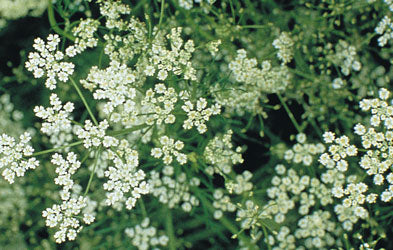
x: 174, y: 124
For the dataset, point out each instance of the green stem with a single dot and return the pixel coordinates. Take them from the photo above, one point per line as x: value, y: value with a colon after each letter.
x: 127, y: 130
x: 161, y: 14
x: 244, y: 130
x: 56, y: 149
x: 266, y: 236
x: 94, y: 170
x: 254, y: 26
x: 100, y: 58
x: 143, y: 208
x: 53, y: 23
x: 169, y: 229
x: 232, y: 10
x: 291, y: 116
x: 84, y: 101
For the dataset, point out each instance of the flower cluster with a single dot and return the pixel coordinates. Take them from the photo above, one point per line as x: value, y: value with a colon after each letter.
x: 176, y: 60
x: 222, y: 203
x: 47, y: 61
x: 14, y: 9
x: 220, y: 155
x: 197, y: 116
x: 385, y: 29
x: 241, y: 184
x: 250, y: 215
x: 95, y: 135
x: 379, y: 145
x: 128, y: 38
x: 188, y: 4
x: 65, y: 169
x: 125, y: 181
x: 112, y: 84
x: 338, y: 83
x: 113, y: 10
x: 13, y: 156
x: 268, y: 79
x: 84, y: 33
x: 159, y: 104
x: 213, y: 47
x: 172, y: 190
x: 65, y: 215
x: 145, y: 237
x: 291, y: 191
x: 318, y: 230
x: 57, y: 117
x: 169, y: 149
x: 303, y: 152
x: 345, y: 57
x: 251, y: 84
x: 284, y: 44
x: 335, y: 157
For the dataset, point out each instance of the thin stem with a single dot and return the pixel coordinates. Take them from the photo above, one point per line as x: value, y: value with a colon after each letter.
x: 291, y: 116
x: 254, y: 26
x: 143, y: 208
x: 100, y: 58
x: 161, y: 14
x: 232, y: 10
x: 169, y: 229
x: 84, y: 101
x: 53, y: 23
x: 266, y: 236
x: 94, y: 170
x: 127, y: 130
x: 56, y: 149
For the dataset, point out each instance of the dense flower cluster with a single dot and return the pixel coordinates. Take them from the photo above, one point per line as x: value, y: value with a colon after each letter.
x: 84, y: 33
x: 112, y: 84
x: 145, y: 237
x: 173, y: 190
x: 284, y: 44
x: 268, y: 79
x: 94, y: 136
x: 47, y: 62
x: 169, y: 149
x: 16, y: 156
x: 176, y: 60
x: 222, y: 203
x: 14, y: 9
x: 64, y: 215
x: 197, y: 116
x: 251, y: 84
x: 57, y: 117
x: 345, y: 57
x: 303, y: 152
x: 159, y: 104
x: 125, y: 181
x: 384, y: 29
x: 220, y: 155
x: 173, y: 95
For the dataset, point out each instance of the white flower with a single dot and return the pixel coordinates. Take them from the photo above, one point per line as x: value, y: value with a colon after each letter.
x: 328, y: 137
